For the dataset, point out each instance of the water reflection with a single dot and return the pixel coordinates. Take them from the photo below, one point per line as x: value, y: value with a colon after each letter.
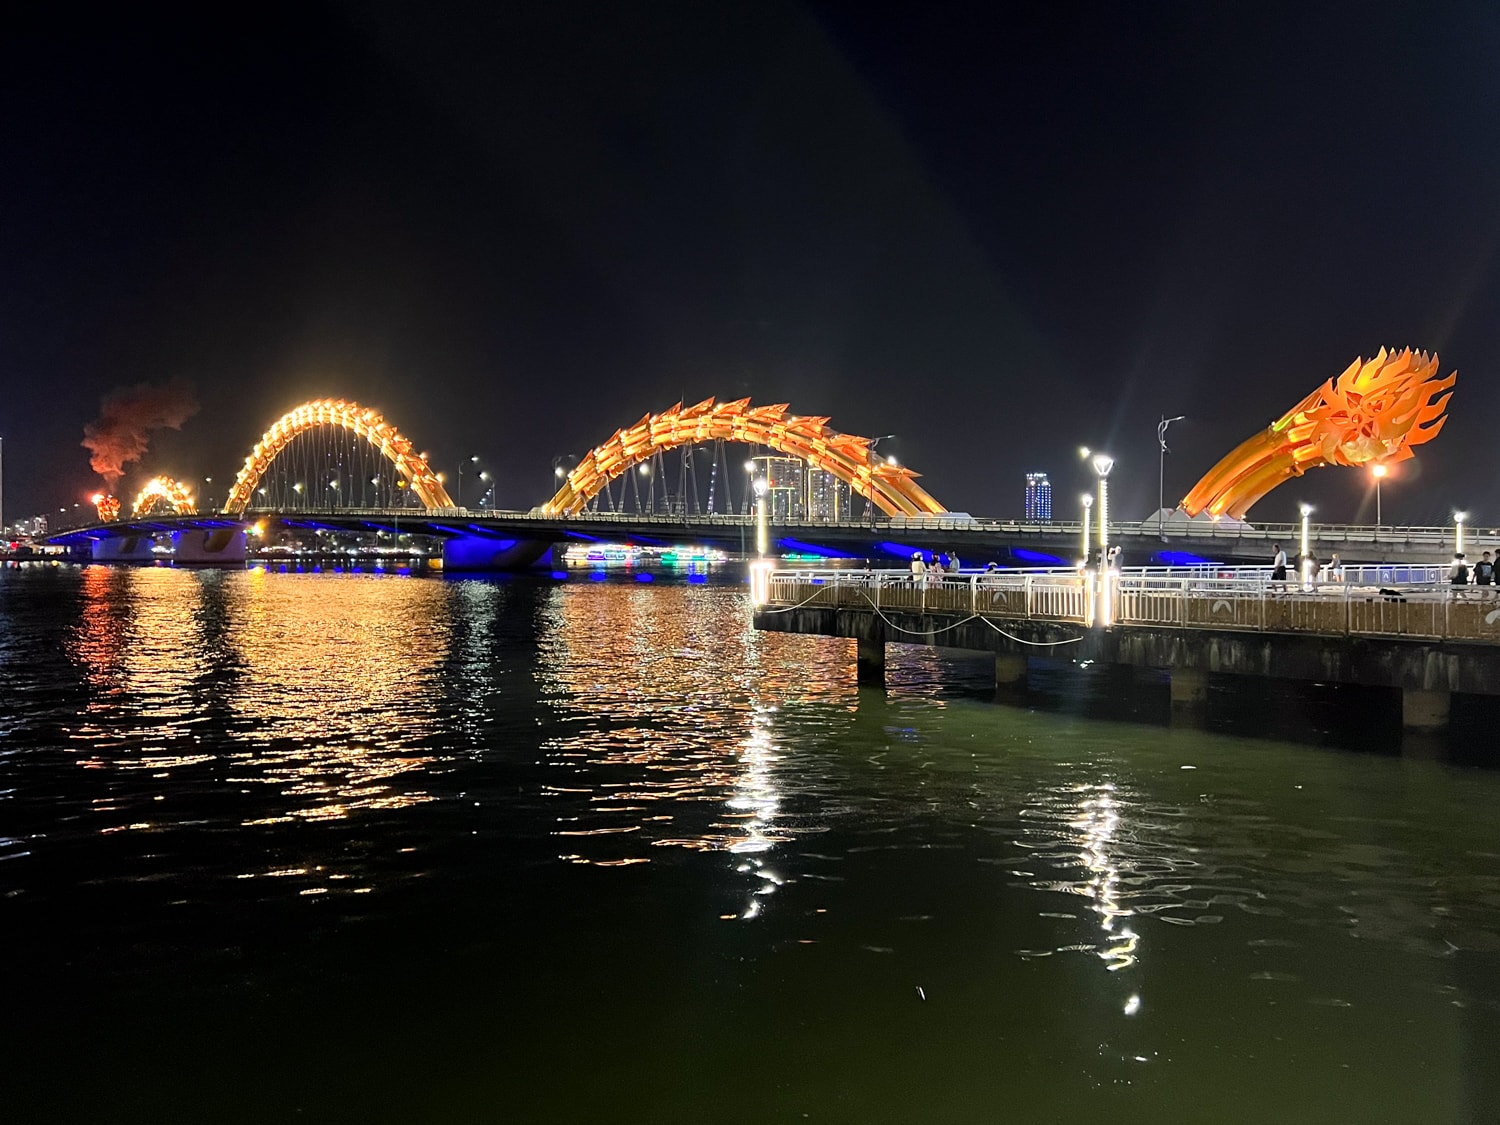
x: 338, y: 690
x: 323, y: 687
x: 668, y: 707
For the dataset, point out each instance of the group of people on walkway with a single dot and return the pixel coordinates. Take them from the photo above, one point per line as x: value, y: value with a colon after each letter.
x: 1459, y: 574
x: 1483, y: 573
x: 929, y: 567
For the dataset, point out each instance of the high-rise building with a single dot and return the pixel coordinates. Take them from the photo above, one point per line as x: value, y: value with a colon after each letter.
x: 828, y: 498
x: 1038, y: 498
x: 786, y: 490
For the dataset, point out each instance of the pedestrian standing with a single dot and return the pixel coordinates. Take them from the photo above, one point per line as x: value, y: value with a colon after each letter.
x: 1458, y: 573
x: 1278, y: 564
x: 1484, y: 570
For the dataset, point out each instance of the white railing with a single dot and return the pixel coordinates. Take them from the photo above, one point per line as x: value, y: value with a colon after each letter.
x: 1236, y: 599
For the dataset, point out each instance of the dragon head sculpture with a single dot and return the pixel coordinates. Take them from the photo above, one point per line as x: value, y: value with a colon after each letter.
x: 1374, y: 412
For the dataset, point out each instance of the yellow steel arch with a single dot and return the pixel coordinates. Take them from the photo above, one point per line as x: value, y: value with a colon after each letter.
x: 359, y: 420
x: 892, y: 488
x: 175, y: 494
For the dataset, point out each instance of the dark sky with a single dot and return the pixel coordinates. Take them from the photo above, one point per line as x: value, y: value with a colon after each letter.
x: 999, y: 231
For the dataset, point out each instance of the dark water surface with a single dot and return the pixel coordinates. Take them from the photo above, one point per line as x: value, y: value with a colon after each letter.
x: 348, y: 848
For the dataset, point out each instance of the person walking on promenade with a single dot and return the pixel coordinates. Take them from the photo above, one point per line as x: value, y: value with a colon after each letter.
x: 1484, y: 570
x: 1278, y: 564
x: 1458, y: 574
x: 918, y: 569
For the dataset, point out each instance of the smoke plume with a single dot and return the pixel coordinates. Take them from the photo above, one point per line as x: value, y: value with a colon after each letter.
x: 122, y: 432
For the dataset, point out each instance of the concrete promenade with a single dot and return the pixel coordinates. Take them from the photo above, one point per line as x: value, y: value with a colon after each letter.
x: 1392, y: 627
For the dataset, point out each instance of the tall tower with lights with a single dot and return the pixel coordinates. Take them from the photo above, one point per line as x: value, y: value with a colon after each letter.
x: 1038, y: 498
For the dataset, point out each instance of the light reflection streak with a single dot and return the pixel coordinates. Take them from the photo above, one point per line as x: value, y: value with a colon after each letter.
x: 658, y: 725
x: 329, y: 696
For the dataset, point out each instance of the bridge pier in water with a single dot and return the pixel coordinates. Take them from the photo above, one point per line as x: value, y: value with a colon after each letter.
x: 1424, y: 711
x: 1188, y: 689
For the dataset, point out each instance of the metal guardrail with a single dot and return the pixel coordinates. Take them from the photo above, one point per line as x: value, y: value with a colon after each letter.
x: 1326, y: 535
x: 1235, y: 599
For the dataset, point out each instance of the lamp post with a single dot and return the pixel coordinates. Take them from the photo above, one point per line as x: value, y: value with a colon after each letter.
x: 458, y: 499
x: 560, y: 472
x: 870, y: 456
x: 1306, y: 562
x: 1378, y: 472
x: 762, y: 531
x: 1161, y: 473
x: 1458, y: 532
x: 1088, y: 503
x: 1103, y: 463
x: 487, y: 496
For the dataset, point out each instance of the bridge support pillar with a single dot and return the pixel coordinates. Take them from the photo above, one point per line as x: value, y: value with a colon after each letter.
x: 1010, y: 671
x: 223, y: 546
x: 1424, y: 710
x: 869, y: 663
x: 123, y: 548
x: 1189, y: 691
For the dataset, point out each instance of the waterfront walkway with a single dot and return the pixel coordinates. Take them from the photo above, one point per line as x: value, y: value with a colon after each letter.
x: 1384, y: 601
x: 1391, y: 627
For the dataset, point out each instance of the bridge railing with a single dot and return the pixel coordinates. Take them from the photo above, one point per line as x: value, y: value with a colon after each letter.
x: 1236, y: 599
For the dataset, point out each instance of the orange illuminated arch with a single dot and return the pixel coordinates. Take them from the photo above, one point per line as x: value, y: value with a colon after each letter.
x: 890, y: 487
x: 175, y: 494
x: 359, y: 420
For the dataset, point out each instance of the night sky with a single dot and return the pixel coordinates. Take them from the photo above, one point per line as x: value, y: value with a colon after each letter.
x: 998, y: 232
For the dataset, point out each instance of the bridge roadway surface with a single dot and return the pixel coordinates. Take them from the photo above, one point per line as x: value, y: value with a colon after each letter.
x: 974, y: 540
x: 1389, y: 627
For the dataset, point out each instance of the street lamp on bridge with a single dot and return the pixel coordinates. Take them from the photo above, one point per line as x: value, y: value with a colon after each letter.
x: 1088, y: 504
x: 870, y: 451
x: 1306, y: 562
x: 1458, y: 531
x: 1161, y: 473
x: 1378, y: 472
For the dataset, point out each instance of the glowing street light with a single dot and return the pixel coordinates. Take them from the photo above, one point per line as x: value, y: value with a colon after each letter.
x: 1306, y: 510
x: 1103, y: 463
x: 1378, y: 472
x: 1088, y: 503
x: 1458, y: 531
x: 762, y: 533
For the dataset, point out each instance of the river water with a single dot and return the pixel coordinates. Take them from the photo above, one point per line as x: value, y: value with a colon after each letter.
x: 337, y: 847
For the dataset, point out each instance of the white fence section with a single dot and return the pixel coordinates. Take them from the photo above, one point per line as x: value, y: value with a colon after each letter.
x: 1385, y: 601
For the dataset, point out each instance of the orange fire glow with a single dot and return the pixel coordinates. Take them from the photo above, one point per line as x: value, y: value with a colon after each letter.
x: 108, y: 507
x: 160, y: 491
